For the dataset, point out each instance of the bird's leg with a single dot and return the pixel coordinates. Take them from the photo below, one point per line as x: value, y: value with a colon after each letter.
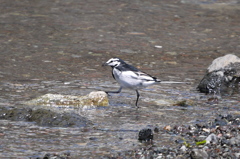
x: 137, y: 98
x: 118, y: 91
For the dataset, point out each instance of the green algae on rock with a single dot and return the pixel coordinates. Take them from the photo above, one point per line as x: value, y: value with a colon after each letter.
x: 98, y: 98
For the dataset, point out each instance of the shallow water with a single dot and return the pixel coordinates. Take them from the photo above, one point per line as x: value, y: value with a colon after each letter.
x: 58, y: 47
x: 115, y: 128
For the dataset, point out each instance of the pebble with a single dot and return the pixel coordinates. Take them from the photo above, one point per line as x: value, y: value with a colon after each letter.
x: 199, y: 154
x: 237, y: 155
x: 145, y: 135
x: 212, y: 138
x: 183, y: 148
x: 158, y: 46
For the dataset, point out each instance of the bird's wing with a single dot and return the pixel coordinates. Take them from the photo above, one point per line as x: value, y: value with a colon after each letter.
x: 145, y: 76
x: 137, y: 74
x: 127, y: 67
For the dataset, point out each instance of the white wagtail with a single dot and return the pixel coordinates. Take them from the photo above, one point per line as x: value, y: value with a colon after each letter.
x: 129, y: 77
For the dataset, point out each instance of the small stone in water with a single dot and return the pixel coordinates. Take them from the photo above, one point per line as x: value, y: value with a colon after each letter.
x: 145, y: 135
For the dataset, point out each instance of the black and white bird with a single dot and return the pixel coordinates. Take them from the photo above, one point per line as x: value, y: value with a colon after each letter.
x: 129, y: 77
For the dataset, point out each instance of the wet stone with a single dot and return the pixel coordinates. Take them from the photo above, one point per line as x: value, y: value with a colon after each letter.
x: 222, y: 76
x: 93, y: 99
x: 43, y: 117
x: 145, y: 135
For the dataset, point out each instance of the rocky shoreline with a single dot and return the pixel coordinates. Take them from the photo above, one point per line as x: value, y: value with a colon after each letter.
x: 219, y: 138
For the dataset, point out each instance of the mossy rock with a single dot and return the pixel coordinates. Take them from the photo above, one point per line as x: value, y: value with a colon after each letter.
x: 98, y: 98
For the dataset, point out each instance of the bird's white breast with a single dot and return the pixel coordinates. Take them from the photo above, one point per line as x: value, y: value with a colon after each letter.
x: 132, y: 80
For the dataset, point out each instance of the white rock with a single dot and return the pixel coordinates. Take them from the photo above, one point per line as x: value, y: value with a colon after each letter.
x: 183, y: 148
x: 222, y: 62
x: 212, y: 138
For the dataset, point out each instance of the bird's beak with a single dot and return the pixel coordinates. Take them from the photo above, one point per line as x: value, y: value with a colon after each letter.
x: 105, y: 64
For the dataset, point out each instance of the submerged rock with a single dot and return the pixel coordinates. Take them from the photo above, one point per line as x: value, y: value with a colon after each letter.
x: 222, y: 76
x: 98, y: 98
x: 43, y: 117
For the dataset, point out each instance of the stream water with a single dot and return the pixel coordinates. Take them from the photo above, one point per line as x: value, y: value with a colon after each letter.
x: 59, y: 47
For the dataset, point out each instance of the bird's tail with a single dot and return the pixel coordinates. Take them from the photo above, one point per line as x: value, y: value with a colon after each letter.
x: 173, y: 82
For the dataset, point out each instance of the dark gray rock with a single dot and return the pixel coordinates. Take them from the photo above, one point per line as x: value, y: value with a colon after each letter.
x: 43, y: 117
x: 145, y: 135
x: 222, y: 76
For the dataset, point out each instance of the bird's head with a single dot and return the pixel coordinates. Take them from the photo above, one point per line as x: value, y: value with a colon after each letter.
x: 113, y: 62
